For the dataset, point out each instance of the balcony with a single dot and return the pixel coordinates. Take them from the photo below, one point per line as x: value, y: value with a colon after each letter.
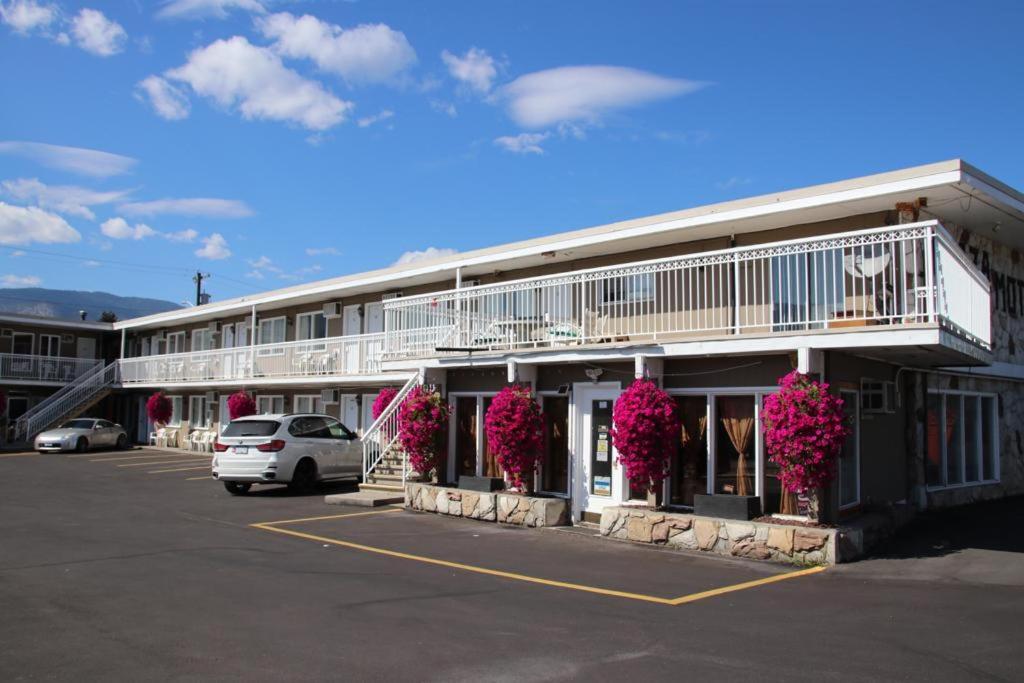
x: 355, y: 355
x: 17, y: 367
x: 896, y: 277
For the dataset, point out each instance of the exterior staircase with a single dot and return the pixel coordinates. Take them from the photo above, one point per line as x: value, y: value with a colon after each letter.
x: 385, y: 466
x: 71, y: 401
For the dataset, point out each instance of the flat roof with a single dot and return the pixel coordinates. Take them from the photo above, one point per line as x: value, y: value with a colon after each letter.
x: 39, y: 320
x: 812, y: 203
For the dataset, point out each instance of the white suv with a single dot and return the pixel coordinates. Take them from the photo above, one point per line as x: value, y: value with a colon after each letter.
x: 297, y: 449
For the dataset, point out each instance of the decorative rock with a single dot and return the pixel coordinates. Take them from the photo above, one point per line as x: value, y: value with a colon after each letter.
x: 660, y: 532
x: 814, y: 557
x: 755, y: 550
x: 781, y: 539
x: 808, y: 540
x: 707, y: 533
x: 469, y: 503
x: 639, y: 529
x: 737, y: 532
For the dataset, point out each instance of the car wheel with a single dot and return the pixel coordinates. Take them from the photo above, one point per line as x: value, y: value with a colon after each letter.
x: 82, y: 445
x: 237, y: 488
x: 122, y: 442
x: 303, y: 477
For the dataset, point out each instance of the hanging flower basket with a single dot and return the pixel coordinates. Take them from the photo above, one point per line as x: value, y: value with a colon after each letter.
x: 422, y: 423
x: 240, y: 404
x: 383, y: 400
x: 515, y: 434
x: 804, y: 429
x: 645, y: 432
x: 159, y: 408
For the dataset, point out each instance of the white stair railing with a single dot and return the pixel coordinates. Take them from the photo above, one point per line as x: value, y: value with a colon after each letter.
x: 381, y: 438
x: 65, y: 401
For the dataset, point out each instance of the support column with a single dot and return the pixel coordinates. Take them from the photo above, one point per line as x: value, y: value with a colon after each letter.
x: 123, y: 331
x: 649, y: 367
x: 522, y: 373
x: 810, y: 361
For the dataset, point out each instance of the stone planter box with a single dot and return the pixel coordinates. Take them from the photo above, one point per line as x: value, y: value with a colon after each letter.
x: 504, y: 508
x: 753, y: 540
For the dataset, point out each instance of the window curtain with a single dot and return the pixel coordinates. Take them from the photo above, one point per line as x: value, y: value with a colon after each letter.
x: 738, y: 421
x: 693, y: 435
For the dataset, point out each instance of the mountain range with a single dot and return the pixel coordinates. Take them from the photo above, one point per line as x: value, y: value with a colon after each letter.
x: 65, y: 304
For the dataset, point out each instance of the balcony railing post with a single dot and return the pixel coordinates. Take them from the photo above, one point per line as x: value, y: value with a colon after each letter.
x: 931, y: 301
x: 736, y: 292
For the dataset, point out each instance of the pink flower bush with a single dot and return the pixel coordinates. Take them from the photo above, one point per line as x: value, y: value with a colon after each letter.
x: 422, y: 422
x: 383, y: 400
x: 804, y: 430
x: 240, y: 404
x: 515, y: 433
x: 645, y: 432
x: 159, y: 408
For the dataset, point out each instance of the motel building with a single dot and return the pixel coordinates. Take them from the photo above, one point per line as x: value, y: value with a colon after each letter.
x: 903, y: 290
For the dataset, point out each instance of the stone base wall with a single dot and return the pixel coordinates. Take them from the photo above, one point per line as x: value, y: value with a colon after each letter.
x: 504, y: 508
x: 753, y: 540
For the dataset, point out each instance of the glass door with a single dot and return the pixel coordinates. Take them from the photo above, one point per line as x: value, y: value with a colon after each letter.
x: 600, y: 478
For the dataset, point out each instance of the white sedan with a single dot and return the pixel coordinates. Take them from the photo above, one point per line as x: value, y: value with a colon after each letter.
x: 81, y: 434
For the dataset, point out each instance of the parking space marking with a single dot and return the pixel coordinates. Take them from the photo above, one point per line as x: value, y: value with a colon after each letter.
x: 180, y: 469
x: 145, y: 457
x: 16, y: 455
x: 166, y: 462
x: 673, y: 602
x: 200, y: 478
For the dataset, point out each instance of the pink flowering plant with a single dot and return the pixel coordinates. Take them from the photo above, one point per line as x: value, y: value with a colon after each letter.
x: 383, y: 400
x: 159, y: 408
x: 422, y: 421
x: 804, y: 430
x: 241, y: 404
x: 645, y: 432
x: 515, y: 433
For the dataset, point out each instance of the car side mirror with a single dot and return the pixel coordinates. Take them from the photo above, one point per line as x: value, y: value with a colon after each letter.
x: 118, y: 427
x: 97, y: 427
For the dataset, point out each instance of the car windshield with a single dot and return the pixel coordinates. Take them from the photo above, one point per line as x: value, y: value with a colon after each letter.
x: 78, y: 424
x: 251, y: 428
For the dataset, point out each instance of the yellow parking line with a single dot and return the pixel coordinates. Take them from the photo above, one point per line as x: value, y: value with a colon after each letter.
x: 180, y: 469
x: 685, y: 599
x: 16, y: 455
x: 166, y: 462
x: 145, y: 457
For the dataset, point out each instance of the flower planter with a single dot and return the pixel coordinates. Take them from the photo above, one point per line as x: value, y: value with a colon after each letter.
x: 504, y: 508
x: 485, y: 484
x: 727, y: 507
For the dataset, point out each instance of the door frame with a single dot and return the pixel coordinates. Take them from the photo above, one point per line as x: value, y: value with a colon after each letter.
x: 579, y: 450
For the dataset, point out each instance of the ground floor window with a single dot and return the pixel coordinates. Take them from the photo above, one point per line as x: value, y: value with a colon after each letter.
x: 555, y: 462
x: 176, y: 410
x: 689, y: 469
x: 962, y: 433
x: 470, y: 452
x: 198, y: 415
x: 310, y: 403
x: 269, y: 405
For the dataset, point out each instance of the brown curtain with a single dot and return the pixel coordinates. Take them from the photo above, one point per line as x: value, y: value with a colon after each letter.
x: 738, y: 420
x: 491, y: 467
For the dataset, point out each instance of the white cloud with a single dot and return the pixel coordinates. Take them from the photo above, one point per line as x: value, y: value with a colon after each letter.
x: 94, y: 33
x: 524, y: 143
x: 263, y: 265
x: 368, y: 121
x: 444, y: 108
x: 17, y: 253
x: 428, y: 254
x: 235, y: 73
x: 585, y: 93
x: 24, y: 225
x: 215, y: 248
x: 118, y: 229
x: 369, y: 53
x: 90, y: 162
x: 475, y: 69
x: 188, y: 235
x: 168, y: 101
x: 91, y: 264
x: 200, y: 9
x: 320, y: 251
x: 67, y: 199
x: 20, y: 281
x: 734, y: 181
x: 199, y: 206
x: 27, y: 16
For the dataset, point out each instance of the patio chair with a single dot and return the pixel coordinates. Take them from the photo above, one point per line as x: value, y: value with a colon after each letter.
x: 157, y: 436
x: 196, y: 440
x: 211, y: 437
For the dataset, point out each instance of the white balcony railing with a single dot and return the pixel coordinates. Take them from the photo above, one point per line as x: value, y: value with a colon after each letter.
x: 30, y: 368
x: 888, y: 276
x: 349, y: 355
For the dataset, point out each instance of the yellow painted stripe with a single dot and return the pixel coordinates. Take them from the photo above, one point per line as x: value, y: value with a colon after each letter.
x: 165, y: 462
x: 317, y: 519
x: 144, y: 457
x: 16, y: 455
x: 180, y: 469
x: 200, y: 479
x: 693, y: 597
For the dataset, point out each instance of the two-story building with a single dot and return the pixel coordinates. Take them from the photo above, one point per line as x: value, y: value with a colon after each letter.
x: 904, y: 290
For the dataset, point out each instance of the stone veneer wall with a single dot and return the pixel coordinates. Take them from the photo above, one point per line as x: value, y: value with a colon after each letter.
x: 753, y: 540
x: 504, y: 508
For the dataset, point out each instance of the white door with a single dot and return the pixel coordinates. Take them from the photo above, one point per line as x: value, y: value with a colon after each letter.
x: 366, y: 419
x: 86, y: 347
x: 351, y: 321
x: 599, y: 479
x: 143, y: 425
x: 351, y: 324
x: 350, y: 412
x: 374, y: 317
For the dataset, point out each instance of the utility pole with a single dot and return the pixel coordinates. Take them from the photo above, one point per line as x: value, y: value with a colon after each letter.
x: 198, y: 279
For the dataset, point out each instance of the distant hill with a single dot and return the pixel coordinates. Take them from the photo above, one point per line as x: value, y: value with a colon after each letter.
x: 66, y: 303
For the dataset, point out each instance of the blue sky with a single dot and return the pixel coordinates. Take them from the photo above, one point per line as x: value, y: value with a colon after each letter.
x: 275, y: 142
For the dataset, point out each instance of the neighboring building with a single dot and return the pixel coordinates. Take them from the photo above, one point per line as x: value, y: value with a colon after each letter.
x: 904, y: 290
x: 39, y: 356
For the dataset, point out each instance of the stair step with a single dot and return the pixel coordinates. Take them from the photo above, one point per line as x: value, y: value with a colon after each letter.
x: 381, y: 487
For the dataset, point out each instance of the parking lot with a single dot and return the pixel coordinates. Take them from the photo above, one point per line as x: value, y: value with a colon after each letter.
x: 136, y: 564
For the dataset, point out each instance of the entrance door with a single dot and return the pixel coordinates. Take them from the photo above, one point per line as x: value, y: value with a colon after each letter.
x: 351, y: 324
x: 600, y: 481
x: 86, y: 347
x: 374, y: 317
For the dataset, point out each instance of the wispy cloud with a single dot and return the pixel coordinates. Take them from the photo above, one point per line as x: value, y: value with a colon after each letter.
x: 28, y: 16
x: 79, y: 160
x: 428, y: 254
x: 322, y: 251
x: 734, y: 181
x: 168, y: 101
x: 203, y: 9
x: 95, y: 33
x: 66, y: 199
x: 208, y: 207
x: 368, y: 121
x: 7, y: 281
x: 524, y: 143
x: 475, y: 69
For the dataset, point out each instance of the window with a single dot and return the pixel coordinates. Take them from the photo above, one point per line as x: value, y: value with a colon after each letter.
x: 555, y: 465
x: 689, y: 468
x: 311, y: 427
x: 877, y: 396
x: 198, y: 415
x: 21, y: 343
x: 309, y: 404
x: 270, y: 405
x: 961, y: 445
x: 272, y: 331
x: 470, y: 454
x: 807, y: 289
x: 626, y: 288
x: 176, y: 342
x: 310, y: 326
x: 49, y: 345
x: 202, y: 339
x: 252, y: 428
x: 176, y: 406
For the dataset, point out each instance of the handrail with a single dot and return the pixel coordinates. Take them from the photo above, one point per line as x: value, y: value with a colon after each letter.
x: 38, y: 367
x: 380, y: 438
x: 62, y: 402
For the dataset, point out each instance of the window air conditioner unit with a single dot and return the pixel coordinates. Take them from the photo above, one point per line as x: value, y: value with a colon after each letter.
x: 330, y: 396
x: 211, y: 396
x: 67, y: 339
x: 332, y: 309
x: 6, y: 333
x: 214, y: 327
x: 470, y: 283
x: 391, y: 295
x: 160, y: 336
